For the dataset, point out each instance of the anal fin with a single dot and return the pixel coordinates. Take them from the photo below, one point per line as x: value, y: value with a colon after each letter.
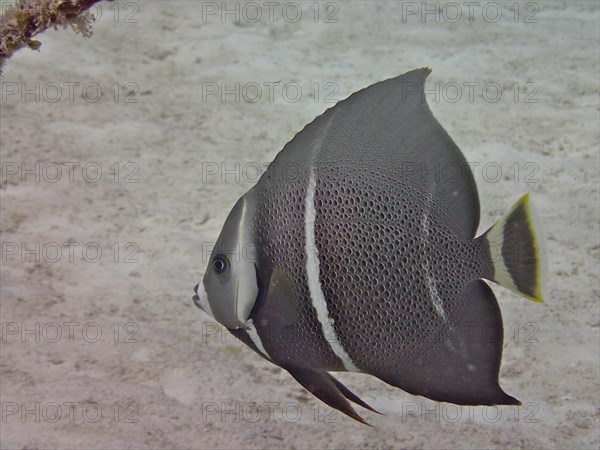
x: 326, y: 388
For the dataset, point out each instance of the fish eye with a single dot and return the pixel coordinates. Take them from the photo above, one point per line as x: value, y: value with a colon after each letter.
x: 220, y: 263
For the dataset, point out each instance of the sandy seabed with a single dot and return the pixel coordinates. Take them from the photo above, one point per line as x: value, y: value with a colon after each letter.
x: 123, y: 154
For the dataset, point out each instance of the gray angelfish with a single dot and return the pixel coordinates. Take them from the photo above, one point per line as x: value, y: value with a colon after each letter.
x: 359, y: 254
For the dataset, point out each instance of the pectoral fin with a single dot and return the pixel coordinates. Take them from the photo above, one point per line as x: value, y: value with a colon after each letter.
x: 281, y: 306
x: 326, y: 388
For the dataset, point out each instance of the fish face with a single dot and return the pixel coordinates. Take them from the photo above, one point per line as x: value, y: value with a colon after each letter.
x: 229, y: 288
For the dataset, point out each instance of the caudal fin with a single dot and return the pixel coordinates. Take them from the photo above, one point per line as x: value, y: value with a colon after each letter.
x: 518, y: 252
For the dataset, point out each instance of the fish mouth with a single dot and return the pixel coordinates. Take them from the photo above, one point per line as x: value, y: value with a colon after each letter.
x: 195, y: 298
x: 200, y: 299
x: 196, y: 301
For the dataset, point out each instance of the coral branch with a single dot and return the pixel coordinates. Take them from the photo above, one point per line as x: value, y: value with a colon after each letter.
x: 28, y: 18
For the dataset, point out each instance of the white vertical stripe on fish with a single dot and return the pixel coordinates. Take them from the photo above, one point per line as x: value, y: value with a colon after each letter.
x: 433, y: 292
x: 313, y: 274
x: 253, y: 333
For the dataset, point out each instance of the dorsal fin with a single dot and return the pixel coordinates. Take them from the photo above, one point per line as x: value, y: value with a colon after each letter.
x: 389, y: 128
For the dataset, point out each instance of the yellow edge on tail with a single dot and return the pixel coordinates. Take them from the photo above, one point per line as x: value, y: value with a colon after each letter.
x: 496, y: 238
x: 535, y: 224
